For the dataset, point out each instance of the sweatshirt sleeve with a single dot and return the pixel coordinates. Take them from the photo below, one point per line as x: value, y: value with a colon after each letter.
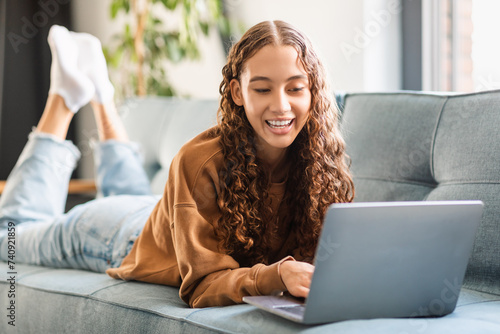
x: 209, y: 276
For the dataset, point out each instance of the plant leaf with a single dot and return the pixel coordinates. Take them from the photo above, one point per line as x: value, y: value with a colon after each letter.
x: 170, y: 4
x: 114, y: 8
x: 205, y: 27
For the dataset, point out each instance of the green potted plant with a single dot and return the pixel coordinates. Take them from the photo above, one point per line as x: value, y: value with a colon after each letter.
x: 142, y: 48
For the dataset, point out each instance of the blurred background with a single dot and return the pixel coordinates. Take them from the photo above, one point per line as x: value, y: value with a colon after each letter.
x: 178, y: 47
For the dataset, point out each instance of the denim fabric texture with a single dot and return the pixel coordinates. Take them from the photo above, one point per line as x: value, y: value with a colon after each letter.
x: 92, y: 236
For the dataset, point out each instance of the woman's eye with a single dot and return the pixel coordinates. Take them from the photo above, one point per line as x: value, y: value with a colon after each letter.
x: 262, y: 90
x: 297, y: 89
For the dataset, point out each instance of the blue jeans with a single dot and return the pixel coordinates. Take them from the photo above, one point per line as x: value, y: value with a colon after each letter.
x: 95, y: 235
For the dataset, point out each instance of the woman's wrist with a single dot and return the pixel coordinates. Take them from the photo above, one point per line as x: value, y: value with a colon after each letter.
x: 288, y: 258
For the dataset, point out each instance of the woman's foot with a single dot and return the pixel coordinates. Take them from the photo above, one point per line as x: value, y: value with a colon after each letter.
x: 92, y: 63
x: 66, y: 79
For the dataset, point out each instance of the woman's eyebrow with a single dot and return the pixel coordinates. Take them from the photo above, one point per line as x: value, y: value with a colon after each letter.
x: 295, y: 77
x: 298, y: 77
x: 260, y: 78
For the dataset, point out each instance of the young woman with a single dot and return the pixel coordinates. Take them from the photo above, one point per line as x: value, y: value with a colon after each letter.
x: 244, y: 202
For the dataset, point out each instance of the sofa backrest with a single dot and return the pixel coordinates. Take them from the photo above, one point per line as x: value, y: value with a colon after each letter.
x: 162, y: 125
x: 404, y: 146
x: 414, y: 146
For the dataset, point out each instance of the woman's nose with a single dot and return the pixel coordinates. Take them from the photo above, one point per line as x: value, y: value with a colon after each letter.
x: 280, y: 103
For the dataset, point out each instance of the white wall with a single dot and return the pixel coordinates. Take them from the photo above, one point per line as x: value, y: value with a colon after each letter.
x: 485, y: 47
x: 193, y: 78
x: 326, y: 23
x: 382, y: 54
x: 196, y: 79
x: 358, y: 40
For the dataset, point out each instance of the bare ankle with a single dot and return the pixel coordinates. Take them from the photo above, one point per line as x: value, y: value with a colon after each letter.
x: 56, y: 117
x: 109, y: 123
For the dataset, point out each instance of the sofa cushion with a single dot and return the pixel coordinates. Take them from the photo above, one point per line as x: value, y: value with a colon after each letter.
x: 466, y: 165
x: 72, y: 301
x: 389, y: 138
x: 415, y: 146
x: 162, y: 125
x: 434, y: 147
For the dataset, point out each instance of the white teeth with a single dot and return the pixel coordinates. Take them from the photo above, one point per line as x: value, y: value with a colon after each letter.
x: 279, y: 124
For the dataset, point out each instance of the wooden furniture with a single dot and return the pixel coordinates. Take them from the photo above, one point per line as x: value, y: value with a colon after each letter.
x: 76, y: 186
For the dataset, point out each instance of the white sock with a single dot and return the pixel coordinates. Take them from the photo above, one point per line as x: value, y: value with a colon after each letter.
x: 91, y: 61
x: 66, y: 79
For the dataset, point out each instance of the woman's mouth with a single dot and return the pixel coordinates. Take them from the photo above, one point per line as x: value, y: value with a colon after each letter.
x: 280, y: 124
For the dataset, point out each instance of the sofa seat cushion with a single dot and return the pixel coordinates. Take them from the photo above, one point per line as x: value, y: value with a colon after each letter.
x: 72, y: 301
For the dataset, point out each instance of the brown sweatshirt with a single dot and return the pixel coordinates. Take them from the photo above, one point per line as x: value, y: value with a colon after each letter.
x: 178, y: 246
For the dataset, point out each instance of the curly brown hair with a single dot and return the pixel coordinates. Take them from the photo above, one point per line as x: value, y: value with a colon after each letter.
x: 318, y: 175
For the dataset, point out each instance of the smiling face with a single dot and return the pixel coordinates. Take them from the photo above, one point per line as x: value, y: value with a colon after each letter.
x: 274, y: 91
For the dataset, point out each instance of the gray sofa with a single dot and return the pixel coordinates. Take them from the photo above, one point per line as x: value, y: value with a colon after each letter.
x: 403, y: 145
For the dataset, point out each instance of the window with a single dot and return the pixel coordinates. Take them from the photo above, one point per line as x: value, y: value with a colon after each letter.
x: 461, y: 48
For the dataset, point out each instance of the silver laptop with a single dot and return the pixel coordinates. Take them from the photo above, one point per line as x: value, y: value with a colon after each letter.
x: 385, y: 260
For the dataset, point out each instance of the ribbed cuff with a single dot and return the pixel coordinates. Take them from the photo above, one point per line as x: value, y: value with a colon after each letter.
x: 269, y: 280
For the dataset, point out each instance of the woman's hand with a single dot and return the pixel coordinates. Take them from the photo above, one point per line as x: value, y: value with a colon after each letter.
x: 297, y: 277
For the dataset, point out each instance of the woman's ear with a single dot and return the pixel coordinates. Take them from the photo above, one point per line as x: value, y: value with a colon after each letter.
x: 236, y: 92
